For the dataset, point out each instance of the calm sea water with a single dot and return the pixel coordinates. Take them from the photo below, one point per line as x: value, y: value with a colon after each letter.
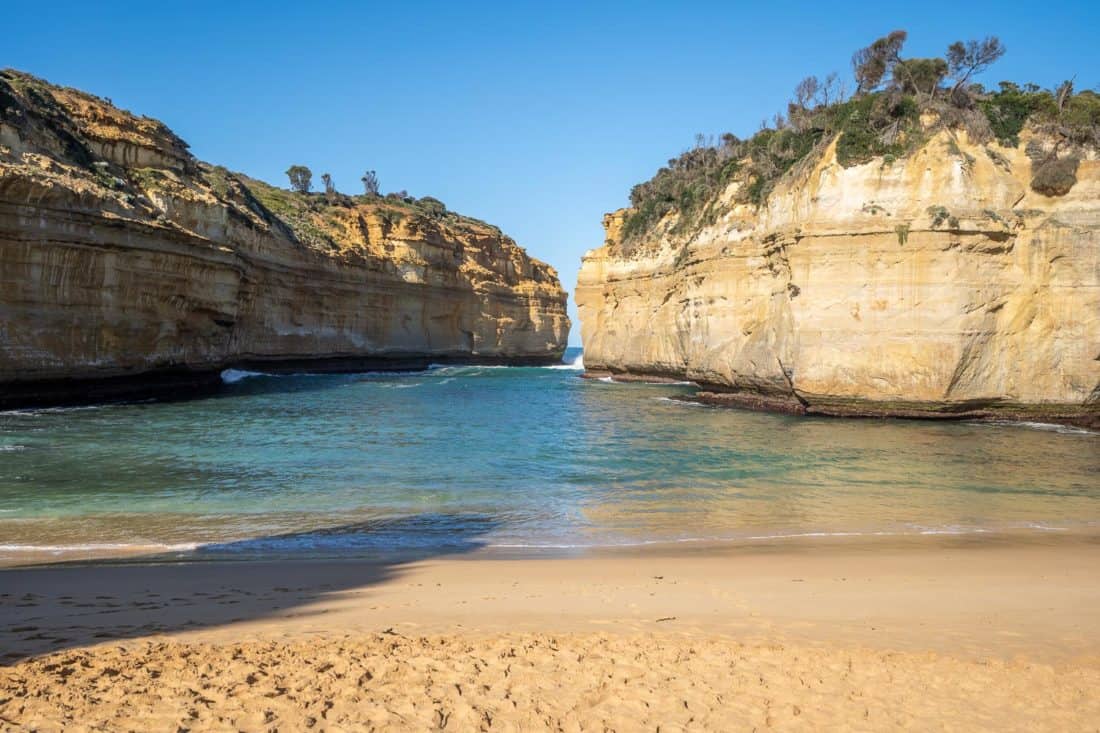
x: 459, y: 457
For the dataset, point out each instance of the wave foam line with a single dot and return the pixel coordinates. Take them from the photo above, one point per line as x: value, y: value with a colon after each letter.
x: 232, y: 376
x: 103, y: 546
x: 1049, y: 427
x: 575, y: 365
x: 768, y: 537
x: 49, y: 410
x: 687, y: 403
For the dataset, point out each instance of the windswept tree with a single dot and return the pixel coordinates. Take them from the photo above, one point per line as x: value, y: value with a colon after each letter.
x: 301, y: 178
x: 1062, y: 94
x: 806, y: 91
x: 871, y: 64
x: 370, y: 183
x: 972, y: 57
x: 798, y: 111
x: 919, y: 77
x: 831, y: 91
x: 330, y: 188
x: 898, y: 104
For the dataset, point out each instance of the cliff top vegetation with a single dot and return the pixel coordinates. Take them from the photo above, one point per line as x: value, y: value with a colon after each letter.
x: 310, y: 215
x: 886, y: 116
x: 86, y: 139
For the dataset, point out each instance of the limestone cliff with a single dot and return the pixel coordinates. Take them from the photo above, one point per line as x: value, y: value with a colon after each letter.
x: 125, y: 260
x: 937, y: 284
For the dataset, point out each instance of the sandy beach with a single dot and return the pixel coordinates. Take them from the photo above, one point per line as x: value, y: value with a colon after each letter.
x: 923, y: 634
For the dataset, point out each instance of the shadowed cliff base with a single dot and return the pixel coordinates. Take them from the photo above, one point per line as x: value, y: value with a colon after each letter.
x: 180, y: 383
x: 789, y: 403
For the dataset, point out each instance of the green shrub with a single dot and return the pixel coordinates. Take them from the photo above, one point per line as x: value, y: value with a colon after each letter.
x: 876, y: 125
x: 902, y: 230
x: 218, y: 179
x: 432, y: 207
x: 757, y: 191
x: 1080, y: 118
x: 856, y: 146
x: 883, y: 120
x: 1009, y: 110
x: 939, y: 215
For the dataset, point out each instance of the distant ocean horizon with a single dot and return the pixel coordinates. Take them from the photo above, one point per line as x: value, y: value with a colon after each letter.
x: 531, y: 458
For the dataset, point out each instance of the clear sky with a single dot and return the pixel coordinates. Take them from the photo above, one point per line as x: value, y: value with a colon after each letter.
x: 537, y: 117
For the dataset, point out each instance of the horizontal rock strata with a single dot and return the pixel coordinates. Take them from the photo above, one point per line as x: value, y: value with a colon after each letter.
x: 936, y: 285
x: 126, y: 263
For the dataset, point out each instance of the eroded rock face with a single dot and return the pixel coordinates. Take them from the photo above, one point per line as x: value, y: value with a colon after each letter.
x: 121, y: 255
x: 939, y: 284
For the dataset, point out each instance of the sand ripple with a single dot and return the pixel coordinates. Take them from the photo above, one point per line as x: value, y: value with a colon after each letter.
x: 527, y: 682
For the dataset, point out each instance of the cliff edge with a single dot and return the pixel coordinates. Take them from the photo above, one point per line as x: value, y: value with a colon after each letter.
x: 126, y: 264
x: 947, y: 280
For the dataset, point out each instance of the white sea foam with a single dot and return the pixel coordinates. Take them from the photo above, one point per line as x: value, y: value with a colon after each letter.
x: 575, y: 365
x: 954, y: 530
x: 1049, y: 427
x: 1045, y: 528
x: 686, y: 403
x: 463, y: 367
x: 925, y: 531
x: 102, y: 547
x: 232, y: 376
x: 49, y: 410
x: 678, y: 540
x: 10, y: 448
x: 1052, y: 427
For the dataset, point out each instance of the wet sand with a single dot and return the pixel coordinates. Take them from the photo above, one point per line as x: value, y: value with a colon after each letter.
x: 931, y: 634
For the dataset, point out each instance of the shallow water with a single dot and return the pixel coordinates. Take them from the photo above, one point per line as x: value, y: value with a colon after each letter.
x: 461, y: 457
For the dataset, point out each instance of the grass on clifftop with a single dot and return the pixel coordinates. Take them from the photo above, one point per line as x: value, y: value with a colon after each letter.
x: 882, y: 120
x: 307, y: 213
x: 68, y: 124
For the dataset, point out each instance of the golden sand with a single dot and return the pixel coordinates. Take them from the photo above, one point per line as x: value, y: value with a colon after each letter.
x: 507, y: 682
x: 797, y: 638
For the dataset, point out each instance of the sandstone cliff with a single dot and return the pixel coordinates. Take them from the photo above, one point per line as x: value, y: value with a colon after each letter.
x: 125, y: 260
x: 937, y: 284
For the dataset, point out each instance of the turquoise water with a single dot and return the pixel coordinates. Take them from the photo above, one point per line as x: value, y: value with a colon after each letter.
x: 458, y: 457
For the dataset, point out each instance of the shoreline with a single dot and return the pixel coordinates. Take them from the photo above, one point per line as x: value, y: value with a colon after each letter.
x: 1080, y: 416
x: 92, y: 555
x: 982, y: 636
x: 1000, y: 575
x: 182, y: 383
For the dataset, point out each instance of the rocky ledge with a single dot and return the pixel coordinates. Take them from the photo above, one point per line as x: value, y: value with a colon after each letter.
x: 127, y: 265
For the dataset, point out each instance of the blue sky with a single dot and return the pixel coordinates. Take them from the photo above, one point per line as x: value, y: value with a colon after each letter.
x: 538, y: 117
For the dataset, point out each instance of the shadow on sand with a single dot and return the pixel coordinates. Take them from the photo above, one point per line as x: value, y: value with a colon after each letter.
x: 47, y: 608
